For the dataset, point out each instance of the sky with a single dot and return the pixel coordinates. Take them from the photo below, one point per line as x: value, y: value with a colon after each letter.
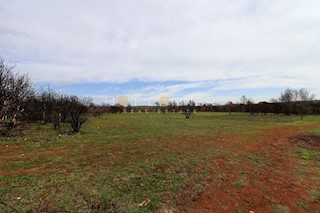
x: 204, y: 50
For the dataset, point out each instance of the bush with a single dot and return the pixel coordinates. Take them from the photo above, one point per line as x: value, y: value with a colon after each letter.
x: 77, y: 110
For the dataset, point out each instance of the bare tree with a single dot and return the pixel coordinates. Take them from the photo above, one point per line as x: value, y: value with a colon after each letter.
x: 296, y: 101
x: 250, y: 103
x: 286, y: 98
x: 304, y: 99
x: 77, y: 113
x: 243, y: 102
x: 14, y: 91
x: 273, y: 100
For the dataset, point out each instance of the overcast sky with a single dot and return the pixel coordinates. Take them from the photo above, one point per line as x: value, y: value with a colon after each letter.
x: 140, y: 48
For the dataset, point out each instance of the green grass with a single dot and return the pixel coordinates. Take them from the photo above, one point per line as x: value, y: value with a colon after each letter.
x: 315, y: 193
x: 118, y: 161
x: 239, y: 183
x: 315, y: 131
x: 311, y: 118
x: 302, y: 205
x: 255, y: 159
x: 308, y: 154
x: 280, y: 209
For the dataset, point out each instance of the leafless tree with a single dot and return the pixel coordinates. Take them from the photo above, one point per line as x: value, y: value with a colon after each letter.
x: 304, y: 99
x: 296, y: 101
x: 287, y: 98
x: 77, y: 113
x: 243, y: 102
x: 14, y: 91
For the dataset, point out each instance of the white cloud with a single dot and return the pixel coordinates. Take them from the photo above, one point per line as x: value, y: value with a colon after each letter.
x: 264, y: 43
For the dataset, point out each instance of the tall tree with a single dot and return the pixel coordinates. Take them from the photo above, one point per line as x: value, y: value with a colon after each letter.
x: 243, y: 103
x: 287, y: 98
x: 304, y: 99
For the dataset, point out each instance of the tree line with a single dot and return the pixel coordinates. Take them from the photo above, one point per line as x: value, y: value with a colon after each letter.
x: 290, y: 102
x: 20, y: 103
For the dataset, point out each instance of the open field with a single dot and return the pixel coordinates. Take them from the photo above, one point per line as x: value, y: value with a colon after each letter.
x: 212, y: 162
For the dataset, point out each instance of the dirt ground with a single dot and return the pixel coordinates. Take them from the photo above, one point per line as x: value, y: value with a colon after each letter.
x: 271, y: 184
x: 260, y: 173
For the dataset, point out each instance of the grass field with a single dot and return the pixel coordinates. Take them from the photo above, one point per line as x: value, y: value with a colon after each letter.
x: 212, y: 162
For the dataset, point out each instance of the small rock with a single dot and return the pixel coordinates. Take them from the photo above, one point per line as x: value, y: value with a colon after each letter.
x: 144, y: 203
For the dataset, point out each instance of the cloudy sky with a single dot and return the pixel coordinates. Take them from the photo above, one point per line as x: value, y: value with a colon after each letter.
x: 144, y: 49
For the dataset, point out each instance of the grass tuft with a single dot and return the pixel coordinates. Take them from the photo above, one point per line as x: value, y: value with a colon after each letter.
x: 277, y: 208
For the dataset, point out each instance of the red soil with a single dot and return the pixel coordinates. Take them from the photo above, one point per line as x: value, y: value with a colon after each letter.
x: 27, y: 155
x: 275, y: 181
x: 9, y: 147
x: 29, y: 171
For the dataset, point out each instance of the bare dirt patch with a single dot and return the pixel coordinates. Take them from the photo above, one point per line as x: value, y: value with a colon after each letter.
x: 248, y: 186
x: 29, y: 171
x: 9, y: 147
x: 32, y: 154
x: 307, y: 141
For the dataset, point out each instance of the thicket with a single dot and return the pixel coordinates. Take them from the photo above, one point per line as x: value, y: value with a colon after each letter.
x: 20, y: 103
